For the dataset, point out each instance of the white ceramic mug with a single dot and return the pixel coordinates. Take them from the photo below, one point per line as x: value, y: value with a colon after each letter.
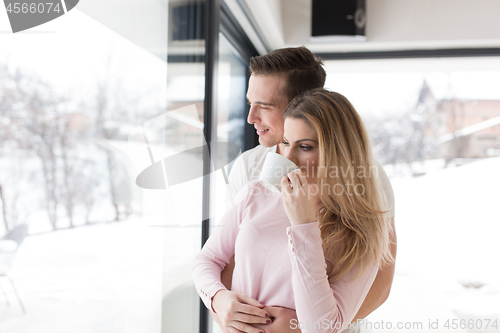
x: 274, y: 169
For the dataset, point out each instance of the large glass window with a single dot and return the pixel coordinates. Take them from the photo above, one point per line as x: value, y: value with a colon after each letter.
x: 71, y: 93
x: 231, y: 117
x: 180, y: 142
x: 435, y: 127
x: 101, y: 154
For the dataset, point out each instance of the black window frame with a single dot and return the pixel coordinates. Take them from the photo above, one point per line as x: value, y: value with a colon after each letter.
x: 219, y: 19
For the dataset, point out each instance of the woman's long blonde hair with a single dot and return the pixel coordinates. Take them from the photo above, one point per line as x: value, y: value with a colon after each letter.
x: 353, y: 224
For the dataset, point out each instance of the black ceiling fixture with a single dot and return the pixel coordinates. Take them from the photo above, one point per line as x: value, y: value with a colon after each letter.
x: 338, y: 18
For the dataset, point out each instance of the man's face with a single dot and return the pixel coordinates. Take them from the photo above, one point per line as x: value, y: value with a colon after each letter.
x: 267, y: 105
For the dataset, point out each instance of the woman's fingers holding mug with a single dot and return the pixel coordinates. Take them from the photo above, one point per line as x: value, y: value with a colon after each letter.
x: 285, y: 185
x: 302, y: 177
x: 294, y: 178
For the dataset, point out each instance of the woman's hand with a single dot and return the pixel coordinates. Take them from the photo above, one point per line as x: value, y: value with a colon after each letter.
x: 237, y: 311
x: 284, y: 320
x: 299, y: 198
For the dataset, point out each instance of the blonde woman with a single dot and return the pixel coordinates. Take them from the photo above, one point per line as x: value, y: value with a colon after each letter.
x: 317, y: 246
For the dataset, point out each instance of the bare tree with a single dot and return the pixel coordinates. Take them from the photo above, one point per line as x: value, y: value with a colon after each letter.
x: 37, y: 121
x: 40, y: 123
x: 406, y: 137
x: 402, y: 138
x: 112, y: 105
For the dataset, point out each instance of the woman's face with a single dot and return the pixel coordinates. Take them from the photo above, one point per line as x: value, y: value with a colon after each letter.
x: 301, y: 147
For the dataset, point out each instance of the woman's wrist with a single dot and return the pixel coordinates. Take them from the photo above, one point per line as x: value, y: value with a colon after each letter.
x: 219, y: 293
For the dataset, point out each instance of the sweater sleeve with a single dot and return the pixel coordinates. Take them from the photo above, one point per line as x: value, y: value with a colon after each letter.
x: 217, y: 251
x: 321, y: 306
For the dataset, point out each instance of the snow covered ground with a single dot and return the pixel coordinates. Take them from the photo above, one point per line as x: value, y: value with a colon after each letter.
x: 103, y: 278
x: 111, y: 277
x: 448, y: 224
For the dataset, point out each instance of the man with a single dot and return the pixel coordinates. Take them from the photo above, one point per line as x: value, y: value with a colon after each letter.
x: 276, y: 78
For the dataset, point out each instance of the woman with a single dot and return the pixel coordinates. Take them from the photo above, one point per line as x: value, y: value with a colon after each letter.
x: 315, y: 247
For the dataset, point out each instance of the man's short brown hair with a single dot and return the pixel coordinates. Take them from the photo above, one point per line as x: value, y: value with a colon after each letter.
x: 301, y: 69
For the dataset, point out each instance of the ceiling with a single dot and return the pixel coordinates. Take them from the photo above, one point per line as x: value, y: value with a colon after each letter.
x: 391, y: 24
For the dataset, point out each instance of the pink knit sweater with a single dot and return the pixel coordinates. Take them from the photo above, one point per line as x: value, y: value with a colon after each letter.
x: 278, y: 264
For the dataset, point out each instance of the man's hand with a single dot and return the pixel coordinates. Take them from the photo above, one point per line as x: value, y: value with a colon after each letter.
x: 237, y: 311
x: 281, y: 318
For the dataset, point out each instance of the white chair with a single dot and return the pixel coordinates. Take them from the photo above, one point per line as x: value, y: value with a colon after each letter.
x: 9, y: 245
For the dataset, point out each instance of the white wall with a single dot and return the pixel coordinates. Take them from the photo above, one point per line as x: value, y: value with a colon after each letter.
x: 143, y: 22
x: 433, y: 20
x: 406, y: 24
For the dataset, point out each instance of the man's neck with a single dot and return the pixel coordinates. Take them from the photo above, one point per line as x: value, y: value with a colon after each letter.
x: 279, y: 149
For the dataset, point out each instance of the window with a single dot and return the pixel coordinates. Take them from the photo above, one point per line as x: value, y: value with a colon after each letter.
x: 72, y: 92
x: 422, y: 116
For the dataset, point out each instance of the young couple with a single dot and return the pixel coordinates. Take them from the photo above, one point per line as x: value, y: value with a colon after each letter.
x: 301, y: 259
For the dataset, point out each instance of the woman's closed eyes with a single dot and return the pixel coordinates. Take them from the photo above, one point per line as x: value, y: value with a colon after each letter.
x: 304, y: 147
